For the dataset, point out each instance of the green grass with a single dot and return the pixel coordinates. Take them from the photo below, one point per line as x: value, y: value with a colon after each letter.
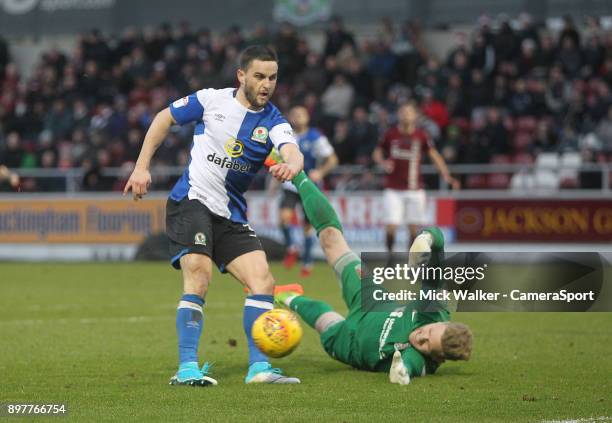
x: 100, y: 337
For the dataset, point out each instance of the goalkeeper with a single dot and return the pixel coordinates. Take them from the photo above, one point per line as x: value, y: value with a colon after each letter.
x: 404, y: 343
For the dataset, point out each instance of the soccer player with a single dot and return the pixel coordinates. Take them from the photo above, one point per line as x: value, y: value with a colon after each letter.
x: 319, y: 160
x: 403, y: 343
x: 206, y: 218
x: 400, y: 153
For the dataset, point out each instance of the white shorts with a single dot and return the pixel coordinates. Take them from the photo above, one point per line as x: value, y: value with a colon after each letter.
x: 405, y: 207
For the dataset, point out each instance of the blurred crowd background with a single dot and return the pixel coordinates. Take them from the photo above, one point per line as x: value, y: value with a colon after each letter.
x: 507, y: 92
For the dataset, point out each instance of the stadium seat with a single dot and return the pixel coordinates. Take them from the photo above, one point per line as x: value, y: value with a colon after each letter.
x: 569, y: 168
x: 499, y: 181
x: 547, y: 161
x: 476, y: 182
x: 546, y: 179
x: 522, y: 182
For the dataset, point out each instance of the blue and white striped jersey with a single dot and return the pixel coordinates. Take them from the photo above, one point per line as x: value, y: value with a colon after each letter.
x: 230, y: 144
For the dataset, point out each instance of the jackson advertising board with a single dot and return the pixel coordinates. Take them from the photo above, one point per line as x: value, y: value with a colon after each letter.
x: 546, y: 220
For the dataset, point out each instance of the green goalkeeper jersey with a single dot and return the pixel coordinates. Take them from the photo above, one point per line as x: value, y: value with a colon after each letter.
x: 377, y: 335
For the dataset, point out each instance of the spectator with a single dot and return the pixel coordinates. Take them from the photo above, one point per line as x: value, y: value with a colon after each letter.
x: 546, y: 140
x: 4, y: 56
x: 13, y: 155
x: 338, y: 98
x: 479, y: 92
x: 506, y: 41
x: 570, y: 57
x: 547, y: 53
x: 456, y: 100
x: 496, y: 132
x: 48, y: 160
x: 434, y: 109
x: 313, y: 77
x: 603, y: 131
x: 336, y: 37
x: 343, y: 145
x: 363, y: 135
x: 569, y: 32
x: 58, y: 120
x: 521, y: 101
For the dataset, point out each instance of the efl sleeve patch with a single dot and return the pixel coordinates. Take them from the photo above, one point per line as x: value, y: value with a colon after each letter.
x: 282, y: 134
x: 187, y: 109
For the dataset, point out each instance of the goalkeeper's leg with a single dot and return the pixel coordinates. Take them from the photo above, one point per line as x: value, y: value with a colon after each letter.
x: 317, y: 314
x: 322, y: 217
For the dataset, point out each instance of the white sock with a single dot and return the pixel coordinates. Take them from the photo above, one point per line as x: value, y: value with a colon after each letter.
x: 288, y: 300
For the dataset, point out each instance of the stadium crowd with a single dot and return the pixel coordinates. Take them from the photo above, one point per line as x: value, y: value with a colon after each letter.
x: 503, y: 94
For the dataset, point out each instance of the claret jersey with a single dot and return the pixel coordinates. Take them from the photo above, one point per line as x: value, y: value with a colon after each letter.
x: 230, y: 144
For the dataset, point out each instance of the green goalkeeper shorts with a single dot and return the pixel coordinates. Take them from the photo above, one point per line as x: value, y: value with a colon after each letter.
x: 339, y: 340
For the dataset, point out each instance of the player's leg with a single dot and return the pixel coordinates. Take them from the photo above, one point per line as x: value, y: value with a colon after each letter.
x: 416, y: 212
x: 317, y: 314
x: 189, y: 228
x: 324, y: 219
x: 287, y: 207
x: 238, y: 246
x: 309, y: 240
x: 336, y: 336
x: 394, y: 212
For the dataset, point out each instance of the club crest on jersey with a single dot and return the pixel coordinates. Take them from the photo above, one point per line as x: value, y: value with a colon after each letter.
x: 260, y: 134
x: 181, y: 102
x: 234, y: 148
x: 199, y: 239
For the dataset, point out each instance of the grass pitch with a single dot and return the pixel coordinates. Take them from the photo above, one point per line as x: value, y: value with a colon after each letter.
x: 101, y: 338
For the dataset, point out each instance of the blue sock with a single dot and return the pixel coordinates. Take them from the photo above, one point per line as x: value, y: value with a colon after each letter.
x: 287, y: 236
x: 255, y: 306
x: 307, y: 253
x: 189, y: 322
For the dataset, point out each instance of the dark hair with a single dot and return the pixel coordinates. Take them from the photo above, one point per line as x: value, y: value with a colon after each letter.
x: 256, y: 52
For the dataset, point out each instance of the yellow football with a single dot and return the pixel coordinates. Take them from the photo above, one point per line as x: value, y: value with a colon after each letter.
x: 277, y: 332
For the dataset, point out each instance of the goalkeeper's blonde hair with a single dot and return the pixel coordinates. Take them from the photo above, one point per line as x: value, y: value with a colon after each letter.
x: 457, y: 342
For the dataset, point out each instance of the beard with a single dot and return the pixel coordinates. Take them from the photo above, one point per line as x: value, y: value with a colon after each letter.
x: 251, y: 95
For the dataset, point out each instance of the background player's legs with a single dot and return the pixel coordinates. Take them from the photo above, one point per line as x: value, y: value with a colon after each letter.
x: 252, y: 270
x: 390, y: 231
x: 286, y: 216
x: 307, y: 249
x: 394, y: 215
x: 197, y: 272
x: 413, y: 231
x: 416, y: 213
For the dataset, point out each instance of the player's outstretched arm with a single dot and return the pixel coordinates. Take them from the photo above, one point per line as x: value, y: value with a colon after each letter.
x: 322, y: 217
x: 440, y: 164
x: 140, y: 179
x: 292, y: 164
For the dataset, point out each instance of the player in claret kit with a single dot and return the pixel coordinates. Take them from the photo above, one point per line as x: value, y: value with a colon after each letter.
x: 206, y: 220
x: 405, y: 342
x: 400, y: 154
